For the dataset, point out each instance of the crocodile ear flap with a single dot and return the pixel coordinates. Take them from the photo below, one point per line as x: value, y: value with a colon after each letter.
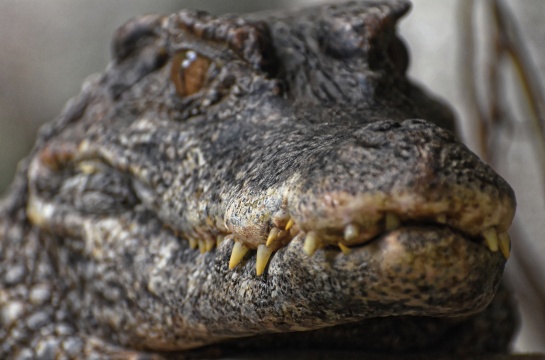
x: 251, y: 40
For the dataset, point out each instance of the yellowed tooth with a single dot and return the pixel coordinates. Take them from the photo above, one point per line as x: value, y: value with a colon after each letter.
x: 505, y: 244
x: 311, y: 243
x: 239, y: 250
x: 193, y: 243
x: 441, y: 219
x: 272, y: 235
x: 210, y: 244
x: 351, y: 232
x: 219, y: 240
x: 202, y: 246
x: 491, y: 239
x: 88, y: 168
x: 289, y: 224
x: 392, y: 221
x: 345, y: 249
x: 263, y: 255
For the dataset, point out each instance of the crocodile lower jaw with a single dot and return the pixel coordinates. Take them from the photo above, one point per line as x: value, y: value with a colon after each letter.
x: 431, y: 270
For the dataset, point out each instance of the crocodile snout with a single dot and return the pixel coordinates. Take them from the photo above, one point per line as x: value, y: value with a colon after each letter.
x: 365, y: 182
x: 389, y: 174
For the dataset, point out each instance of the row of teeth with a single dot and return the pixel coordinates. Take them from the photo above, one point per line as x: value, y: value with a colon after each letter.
x: 278, y: 237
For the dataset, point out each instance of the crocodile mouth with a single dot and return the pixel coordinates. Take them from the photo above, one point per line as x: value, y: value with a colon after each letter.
x: 355, y: 236
x: 345, y: 222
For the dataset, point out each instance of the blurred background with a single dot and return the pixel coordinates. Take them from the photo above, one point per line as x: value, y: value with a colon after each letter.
x: 48, y: 47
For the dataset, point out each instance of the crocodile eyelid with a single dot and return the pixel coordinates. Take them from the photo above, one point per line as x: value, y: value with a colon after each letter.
x: 250, y: 40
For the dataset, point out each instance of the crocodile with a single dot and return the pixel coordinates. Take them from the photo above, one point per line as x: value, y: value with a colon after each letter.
x: 239, y: 183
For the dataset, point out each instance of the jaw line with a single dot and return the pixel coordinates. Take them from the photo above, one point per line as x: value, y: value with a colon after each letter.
x: 430, y: 271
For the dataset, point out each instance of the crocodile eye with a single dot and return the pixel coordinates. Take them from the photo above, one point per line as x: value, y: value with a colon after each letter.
x: 190, y: 72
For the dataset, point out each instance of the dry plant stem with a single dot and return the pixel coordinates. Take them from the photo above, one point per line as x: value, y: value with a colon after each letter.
x: 507, y: 43
x: 468, y: 76
x: 496, y: 113
x: 511, y: 43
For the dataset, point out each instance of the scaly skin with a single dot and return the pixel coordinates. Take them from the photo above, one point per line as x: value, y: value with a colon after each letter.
x: 295, y: 135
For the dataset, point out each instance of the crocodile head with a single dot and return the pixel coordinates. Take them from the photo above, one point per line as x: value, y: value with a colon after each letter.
x: 236, y: 176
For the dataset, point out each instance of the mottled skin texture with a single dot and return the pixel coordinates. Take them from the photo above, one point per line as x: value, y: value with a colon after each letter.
x: 305, y: 116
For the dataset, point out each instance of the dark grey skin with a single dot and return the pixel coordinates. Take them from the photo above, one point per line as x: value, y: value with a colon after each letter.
x: 210, y: 131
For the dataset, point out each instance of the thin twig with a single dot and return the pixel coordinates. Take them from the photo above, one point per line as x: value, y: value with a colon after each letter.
x: 495, y: 112
x: 509, y: 43
x: 514, y: 45
x: 468, y: 76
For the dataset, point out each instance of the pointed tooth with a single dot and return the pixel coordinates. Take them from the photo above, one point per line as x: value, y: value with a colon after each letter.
x: 345, y: 249
x: 210, y: 244
x: 219, y: 240
x: 202, y: 246
x: 289, y: 224
x: 505, y: 244
x: 392, y: 221
x: 239, y: 250
x: 193, y: 243
x: 263, y: 255
x: 88, y: 168
x: 441, y: 219
x: 351, y: 232
x: 491, y: 239
x: 272, y: 235
x: 311, y: 243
